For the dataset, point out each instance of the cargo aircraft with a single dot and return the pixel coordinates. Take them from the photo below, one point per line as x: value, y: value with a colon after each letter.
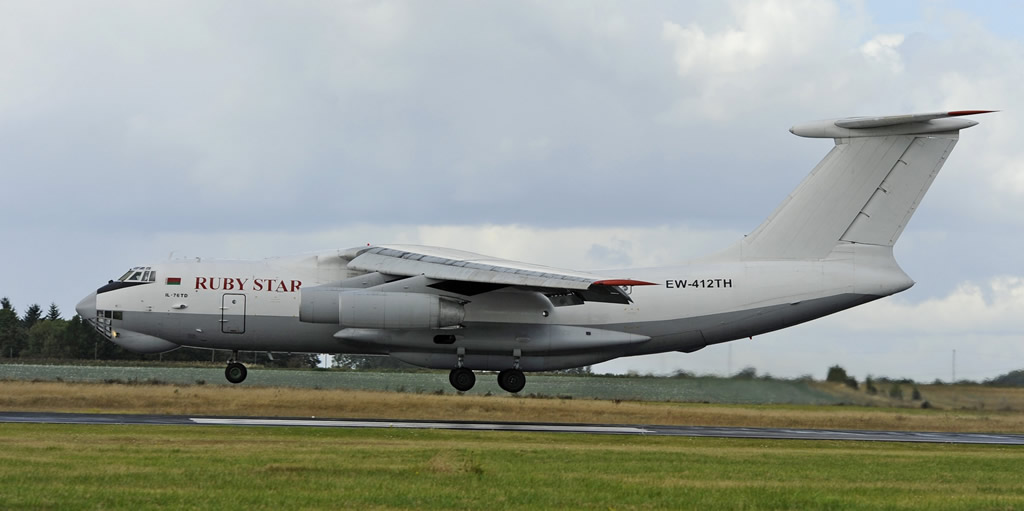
x: 826, y: 248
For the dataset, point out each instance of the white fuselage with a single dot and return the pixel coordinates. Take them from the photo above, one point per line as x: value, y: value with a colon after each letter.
x: 254, y: 305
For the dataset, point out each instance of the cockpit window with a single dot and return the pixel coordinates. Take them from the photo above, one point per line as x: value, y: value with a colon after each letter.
x: 139, y: 274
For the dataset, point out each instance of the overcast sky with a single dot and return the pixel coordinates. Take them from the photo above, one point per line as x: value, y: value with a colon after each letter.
x: 575, y: 134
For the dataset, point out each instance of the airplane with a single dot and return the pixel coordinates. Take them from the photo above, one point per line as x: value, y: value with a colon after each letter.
x: 826, y: 248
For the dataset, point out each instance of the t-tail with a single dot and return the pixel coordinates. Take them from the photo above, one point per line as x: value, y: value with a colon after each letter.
x: 864, y: 191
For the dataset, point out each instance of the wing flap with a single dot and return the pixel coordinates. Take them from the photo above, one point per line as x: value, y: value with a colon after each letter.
x: 459, y: 266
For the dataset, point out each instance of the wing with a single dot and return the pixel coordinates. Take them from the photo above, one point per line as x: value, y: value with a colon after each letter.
x: 468, y: 274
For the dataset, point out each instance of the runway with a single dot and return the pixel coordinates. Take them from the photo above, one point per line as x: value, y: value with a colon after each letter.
x: 605, y: 429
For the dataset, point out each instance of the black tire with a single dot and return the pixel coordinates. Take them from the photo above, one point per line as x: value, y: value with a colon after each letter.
x: 235, y: 372
x: 511, y: 380
x: 462, y: 379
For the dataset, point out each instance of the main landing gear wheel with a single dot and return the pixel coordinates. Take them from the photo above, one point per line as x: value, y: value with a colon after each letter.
x: 511, y: 380
x: 235, y: 372
x: 462, y: 379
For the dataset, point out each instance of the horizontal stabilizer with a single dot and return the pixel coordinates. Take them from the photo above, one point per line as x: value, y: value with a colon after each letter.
x: 909, y: 124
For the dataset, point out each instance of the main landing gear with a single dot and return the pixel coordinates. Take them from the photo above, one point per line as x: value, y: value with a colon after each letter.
x: 235, y: 372
x: 510, y: 380
x: 462, y: 379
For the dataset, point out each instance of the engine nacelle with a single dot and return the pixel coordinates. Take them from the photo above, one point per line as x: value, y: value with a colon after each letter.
x: 369, y: 309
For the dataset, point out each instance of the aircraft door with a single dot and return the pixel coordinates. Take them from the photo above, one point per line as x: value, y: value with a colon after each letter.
x: 232, y: 313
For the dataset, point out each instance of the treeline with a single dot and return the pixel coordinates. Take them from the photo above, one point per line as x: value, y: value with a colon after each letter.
x: 34, y: 335
x: 838, y: 374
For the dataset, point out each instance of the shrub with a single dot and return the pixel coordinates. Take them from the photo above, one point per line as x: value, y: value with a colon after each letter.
x: 896, y: 392
x: 836, y: 374
x: 869, y: 386
x: 748, y: 373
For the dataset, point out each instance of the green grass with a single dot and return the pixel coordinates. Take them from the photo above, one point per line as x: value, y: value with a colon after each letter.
x: 119, y: 467
x: 715, y: 390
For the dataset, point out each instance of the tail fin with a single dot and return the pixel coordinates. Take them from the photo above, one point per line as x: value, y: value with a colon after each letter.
x: 866, y: 188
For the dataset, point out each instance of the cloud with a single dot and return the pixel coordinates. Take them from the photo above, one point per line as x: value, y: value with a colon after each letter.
x: 991, y: 307
x: 765, y: 34
x: 583, y: 135
x: 884, y: 49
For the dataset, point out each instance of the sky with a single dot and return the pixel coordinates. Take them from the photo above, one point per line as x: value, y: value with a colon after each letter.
x: 586, y: 135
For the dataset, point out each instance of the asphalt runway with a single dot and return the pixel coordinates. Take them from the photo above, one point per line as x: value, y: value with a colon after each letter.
x: 606, y: 429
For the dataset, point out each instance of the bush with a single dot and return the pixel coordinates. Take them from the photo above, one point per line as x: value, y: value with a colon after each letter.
x: 851, y: 382
x: 916, y: 395
x: 896, y: 392
x: 748, y: 373
x: 836, y: 374
x: 869, y: 386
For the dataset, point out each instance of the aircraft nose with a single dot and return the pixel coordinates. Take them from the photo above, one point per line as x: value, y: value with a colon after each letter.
x: 86, y: 308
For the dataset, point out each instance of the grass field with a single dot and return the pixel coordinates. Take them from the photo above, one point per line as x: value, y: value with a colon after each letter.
x: 133, y: 467
x: 292, y: 402
x: 139, y: 467
x: 716, y: 390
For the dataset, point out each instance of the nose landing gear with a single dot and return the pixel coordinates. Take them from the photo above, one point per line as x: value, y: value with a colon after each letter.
x: 235, y: 372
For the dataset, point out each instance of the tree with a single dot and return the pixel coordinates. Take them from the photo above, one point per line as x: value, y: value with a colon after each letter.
x: 836, y: 374
x: 747, y: 373
x: 84, y: 342
x: 33, y: 314
x: 46, y: 340
x: 1010, y: 379
x: 6, y: 304
x: 54, y: 313
x: 11, y: 337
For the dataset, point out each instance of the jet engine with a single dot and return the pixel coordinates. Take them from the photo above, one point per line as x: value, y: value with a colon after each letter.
x: 370, y: 309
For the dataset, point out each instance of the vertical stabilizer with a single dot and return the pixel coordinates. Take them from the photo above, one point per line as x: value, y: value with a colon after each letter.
x: 865, y: 190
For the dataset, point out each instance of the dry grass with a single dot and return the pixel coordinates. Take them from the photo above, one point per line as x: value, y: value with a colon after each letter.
x: 948, y: 397
x: 290, y: 402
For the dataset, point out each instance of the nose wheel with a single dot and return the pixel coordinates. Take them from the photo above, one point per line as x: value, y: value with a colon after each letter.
x: 462, y: 379
x: 511, y: 380
x: 235, y: 372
